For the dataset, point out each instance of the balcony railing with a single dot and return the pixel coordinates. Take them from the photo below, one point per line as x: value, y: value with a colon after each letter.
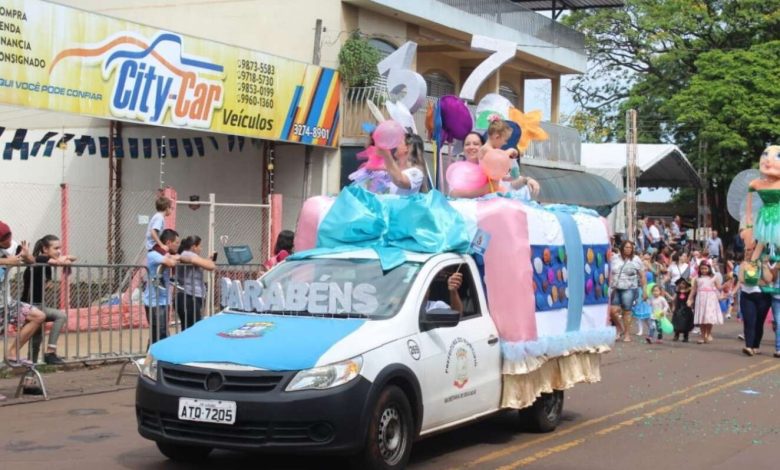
x: 523, y: 20
x: 563, y: 144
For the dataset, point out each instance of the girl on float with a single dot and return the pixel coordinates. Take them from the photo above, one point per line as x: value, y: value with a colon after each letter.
x: 406, y: 167
x: 704, y: 296
x: 626, y: 273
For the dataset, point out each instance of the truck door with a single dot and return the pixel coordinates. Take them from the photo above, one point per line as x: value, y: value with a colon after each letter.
x: 461, y: 364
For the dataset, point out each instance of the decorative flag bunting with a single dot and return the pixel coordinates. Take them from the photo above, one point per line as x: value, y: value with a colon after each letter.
x: 168, y: 147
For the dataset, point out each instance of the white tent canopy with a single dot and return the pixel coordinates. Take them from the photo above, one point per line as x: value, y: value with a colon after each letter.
x: 659, y: 165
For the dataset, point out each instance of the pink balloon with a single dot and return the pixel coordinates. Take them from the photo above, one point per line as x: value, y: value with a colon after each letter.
x: 496, y: 164
x: 550, y: 275
x: 465, y: 176
x: 589, y: 286
x: 388, y: 135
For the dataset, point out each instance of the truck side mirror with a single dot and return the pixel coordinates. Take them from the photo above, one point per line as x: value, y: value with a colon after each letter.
x: 440, y: 318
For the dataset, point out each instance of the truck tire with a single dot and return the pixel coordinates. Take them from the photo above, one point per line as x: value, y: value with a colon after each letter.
x: 390, y: 433
x: 182, y: 453
x: 545, y: 414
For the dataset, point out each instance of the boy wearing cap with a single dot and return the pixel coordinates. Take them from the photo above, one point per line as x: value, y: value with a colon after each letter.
x: 13, y: 253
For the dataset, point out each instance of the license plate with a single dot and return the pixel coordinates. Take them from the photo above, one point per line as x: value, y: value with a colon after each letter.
x: 207, y: 411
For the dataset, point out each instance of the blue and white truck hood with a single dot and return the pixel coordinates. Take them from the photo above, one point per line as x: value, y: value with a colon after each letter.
x: 273, y: 342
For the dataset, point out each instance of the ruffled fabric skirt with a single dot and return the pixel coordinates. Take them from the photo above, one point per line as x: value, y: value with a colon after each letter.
x: 767, y: 226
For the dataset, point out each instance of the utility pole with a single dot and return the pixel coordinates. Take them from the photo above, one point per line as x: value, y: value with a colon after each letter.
x: 631, y: 173
x: 308, y: 151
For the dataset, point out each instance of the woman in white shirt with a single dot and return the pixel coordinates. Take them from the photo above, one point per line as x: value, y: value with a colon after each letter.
x: 680, y: 268
x: 406, y: 167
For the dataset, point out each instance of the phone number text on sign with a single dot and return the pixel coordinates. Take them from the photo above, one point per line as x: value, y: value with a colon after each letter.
x: 303, y: 130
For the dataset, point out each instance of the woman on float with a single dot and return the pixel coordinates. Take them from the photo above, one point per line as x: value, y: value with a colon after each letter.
x: 406, y: 167
x: 471, y: 147
x: 474, y: 151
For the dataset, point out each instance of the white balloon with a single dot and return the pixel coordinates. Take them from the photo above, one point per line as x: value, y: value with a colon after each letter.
x: 400, y: 114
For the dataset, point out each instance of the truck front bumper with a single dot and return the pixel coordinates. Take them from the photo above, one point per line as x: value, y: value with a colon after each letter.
x: 267, y: 417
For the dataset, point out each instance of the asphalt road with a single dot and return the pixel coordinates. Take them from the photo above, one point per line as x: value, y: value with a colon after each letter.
x: 673, y: 405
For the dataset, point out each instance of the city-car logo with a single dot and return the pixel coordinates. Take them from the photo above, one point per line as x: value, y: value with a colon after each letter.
x: 152, y: 78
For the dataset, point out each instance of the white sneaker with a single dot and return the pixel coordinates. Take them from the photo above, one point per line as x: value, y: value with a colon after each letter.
x: 741, y: 337
x: 728, y: 316
x: 696, y: 331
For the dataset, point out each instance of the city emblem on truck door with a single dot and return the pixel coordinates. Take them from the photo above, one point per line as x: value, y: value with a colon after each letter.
x: 414, y: 349
x: 459, y: 362
x: 248, y: 330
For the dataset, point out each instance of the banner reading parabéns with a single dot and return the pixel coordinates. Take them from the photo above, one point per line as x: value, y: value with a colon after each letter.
x: 62, y: 59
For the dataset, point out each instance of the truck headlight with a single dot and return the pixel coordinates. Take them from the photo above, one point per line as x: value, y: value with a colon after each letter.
x: 321, y: 378
x: 149, y: 367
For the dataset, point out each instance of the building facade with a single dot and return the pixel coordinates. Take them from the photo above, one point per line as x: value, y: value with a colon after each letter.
x: 249, y: 172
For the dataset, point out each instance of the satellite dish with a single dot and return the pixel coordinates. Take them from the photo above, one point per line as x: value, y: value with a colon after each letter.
x: 738, y: 192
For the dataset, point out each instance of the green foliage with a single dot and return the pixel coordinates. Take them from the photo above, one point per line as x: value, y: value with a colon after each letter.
x: 697, y: 71
x: 357, y: 62
x: 733, y: 102
x: 591, y: 127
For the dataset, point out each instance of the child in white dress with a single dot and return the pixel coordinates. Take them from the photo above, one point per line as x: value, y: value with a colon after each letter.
x: 660, y: 309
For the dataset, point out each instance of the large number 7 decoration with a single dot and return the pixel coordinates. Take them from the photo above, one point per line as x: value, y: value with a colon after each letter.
x: 503, y: 51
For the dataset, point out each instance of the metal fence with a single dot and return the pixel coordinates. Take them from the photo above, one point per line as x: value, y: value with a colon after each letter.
x: 98, y: 313
x: 98, y: 225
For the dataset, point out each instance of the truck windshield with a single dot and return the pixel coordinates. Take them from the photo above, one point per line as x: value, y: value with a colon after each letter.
x: 337, y: 287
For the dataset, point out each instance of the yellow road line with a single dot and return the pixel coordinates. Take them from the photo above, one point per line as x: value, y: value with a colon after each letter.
x: 506, y: 451
x: 662, y: 410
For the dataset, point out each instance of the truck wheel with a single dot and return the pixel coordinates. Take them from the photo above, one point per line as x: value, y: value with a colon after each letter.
x: 390, y: 433
x: 545, y: 414
x: 182, y: 453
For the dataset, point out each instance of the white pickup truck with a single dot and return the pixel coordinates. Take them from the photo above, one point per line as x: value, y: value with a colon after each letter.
x: 326, y: 376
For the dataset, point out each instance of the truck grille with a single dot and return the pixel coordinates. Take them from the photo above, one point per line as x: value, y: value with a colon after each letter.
x: 226, y: 381
x: 242, y: 433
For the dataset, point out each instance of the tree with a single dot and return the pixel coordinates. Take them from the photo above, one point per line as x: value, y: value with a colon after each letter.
x: 357, y: 62
x: 697, y: 71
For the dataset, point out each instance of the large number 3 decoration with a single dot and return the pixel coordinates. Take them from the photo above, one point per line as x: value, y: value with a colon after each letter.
x: 397, y: 69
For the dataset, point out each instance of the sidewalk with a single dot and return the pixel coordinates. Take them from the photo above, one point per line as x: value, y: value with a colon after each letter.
x: 70, y: 381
